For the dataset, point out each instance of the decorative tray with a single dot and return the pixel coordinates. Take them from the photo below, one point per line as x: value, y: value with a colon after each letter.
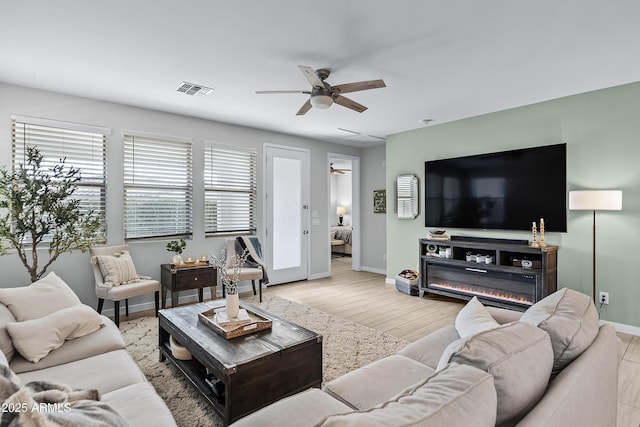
x: 190, y: 264
x: 258, y: 323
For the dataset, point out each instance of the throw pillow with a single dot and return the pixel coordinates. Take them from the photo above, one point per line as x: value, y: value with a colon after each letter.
x: 40, y: 298
x: 570, y: 318
x: 6, y: 345
x: 457, y: 395
x: 474, y: 318
x: 36, y: 338
x: 117, y: 269
x: 520, y: 358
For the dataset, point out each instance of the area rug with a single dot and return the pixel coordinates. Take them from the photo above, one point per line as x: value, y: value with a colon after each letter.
x: 346, y: 346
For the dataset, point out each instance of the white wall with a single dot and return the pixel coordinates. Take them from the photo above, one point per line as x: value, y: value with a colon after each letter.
x: 374, y: 229
x: 74, y: 267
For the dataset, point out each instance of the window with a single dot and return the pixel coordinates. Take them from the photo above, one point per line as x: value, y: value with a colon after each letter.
x: 83, y: 147
x: 158, y: 187
x: 229, y: 189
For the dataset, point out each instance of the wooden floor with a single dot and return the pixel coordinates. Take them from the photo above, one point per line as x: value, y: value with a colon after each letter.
x: 366, y: 299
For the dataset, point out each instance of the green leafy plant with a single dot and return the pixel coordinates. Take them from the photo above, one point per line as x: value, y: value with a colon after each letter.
x: 176, y: 246
x: 37, y: 207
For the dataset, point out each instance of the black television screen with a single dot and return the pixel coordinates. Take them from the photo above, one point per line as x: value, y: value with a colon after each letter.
x: 508, y: 190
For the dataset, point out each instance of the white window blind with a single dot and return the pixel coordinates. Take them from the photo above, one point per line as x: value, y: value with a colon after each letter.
x: 83, y: 147
x: 158, y: 187
x: 230, y: 189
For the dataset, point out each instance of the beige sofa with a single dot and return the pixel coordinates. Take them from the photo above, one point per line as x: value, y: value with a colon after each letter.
x: 96, y: 361
x: 554, y: 366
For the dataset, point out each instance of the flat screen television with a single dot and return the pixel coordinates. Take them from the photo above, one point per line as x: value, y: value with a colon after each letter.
x: 508, y: 190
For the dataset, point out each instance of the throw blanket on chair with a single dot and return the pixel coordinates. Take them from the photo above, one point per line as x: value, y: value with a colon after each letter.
x: 254, y: 250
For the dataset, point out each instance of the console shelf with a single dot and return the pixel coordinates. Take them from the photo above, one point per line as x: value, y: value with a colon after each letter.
x: 499, y: 273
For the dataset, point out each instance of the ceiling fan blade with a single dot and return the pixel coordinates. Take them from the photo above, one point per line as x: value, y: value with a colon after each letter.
x: 266, y: 92
x: 349, y: 103
x: 354, y: 87
x: 311, y: 76
x: 305, y: 107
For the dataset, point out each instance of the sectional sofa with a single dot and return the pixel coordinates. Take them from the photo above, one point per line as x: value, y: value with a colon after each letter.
x: 62, y: 361
x: 552, y: 366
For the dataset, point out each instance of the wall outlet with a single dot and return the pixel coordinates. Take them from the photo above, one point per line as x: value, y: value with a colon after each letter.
x: 603, y: 297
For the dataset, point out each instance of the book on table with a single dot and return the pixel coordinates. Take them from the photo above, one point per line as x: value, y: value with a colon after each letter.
x: 222, y: 319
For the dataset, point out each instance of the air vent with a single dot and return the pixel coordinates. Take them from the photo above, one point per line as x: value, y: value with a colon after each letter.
x: 192, y: 89
x: 349, y: 135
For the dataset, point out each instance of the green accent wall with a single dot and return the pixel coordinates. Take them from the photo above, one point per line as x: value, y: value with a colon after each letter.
x: 602, y: 133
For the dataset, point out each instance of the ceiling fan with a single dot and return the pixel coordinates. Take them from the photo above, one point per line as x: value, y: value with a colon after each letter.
x: 334, y: 171
x: 323, y: 94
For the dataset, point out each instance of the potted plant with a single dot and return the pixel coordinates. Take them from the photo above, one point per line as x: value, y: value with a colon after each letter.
x: 176, y: 246
x: 37, y: 207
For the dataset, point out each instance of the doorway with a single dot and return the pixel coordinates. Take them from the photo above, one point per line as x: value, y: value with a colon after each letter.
x: 344, y: 200
x: 286, y: 202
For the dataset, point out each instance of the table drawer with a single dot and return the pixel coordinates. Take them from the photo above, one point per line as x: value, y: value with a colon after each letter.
x: 192, y: 279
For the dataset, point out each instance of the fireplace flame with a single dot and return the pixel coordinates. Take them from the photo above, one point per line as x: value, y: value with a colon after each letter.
x: 483, y: 293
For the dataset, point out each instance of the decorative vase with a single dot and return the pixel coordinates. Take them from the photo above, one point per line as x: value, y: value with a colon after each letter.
x: 233, y: 305
x: 176, y: 260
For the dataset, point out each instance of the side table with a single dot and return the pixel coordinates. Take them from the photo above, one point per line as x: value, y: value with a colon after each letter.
x: 184, y: 278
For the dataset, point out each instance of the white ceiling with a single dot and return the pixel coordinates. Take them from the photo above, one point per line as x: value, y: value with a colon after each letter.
x: 441, y: 60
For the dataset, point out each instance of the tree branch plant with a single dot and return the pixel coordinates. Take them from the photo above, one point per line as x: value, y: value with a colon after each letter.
x: 37, y: 208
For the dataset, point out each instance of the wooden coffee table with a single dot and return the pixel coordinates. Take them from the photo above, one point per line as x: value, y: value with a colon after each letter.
x: 253, y: 370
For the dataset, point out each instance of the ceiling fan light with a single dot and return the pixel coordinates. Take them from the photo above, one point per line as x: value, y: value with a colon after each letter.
x: 321, y: 101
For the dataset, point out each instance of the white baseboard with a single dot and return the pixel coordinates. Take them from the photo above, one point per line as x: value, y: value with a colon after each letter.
x: 390, y: 280
x: 183, y: 297
x: 319, y: 276
x: 625, y: 329
x: 374, y: 270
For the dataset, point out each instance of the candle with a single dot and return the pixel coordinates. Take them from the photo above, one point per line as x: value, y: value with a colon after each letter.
x: 541, y: 221
x: 533, y: 226
x: 189, y: 259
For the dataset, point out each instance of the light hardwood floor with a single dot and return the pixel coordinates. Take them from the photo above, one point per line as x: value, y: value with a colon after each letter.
x: 366, y: 299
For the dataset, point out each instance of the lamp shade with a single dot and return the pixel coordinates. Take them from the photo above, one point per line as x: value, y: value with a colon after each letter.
x: 595, y: 200
x: 341, y: 210
x: 321, y: 101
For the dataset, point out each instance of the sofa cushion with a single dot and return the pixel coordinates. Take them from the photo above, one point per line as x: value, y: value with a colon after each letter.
x: 35, y: 338
x: 6, y: 344
x: 520, y: 358
x: 428, y: 349
x: 570, y: 318
x: 457, y: 395
x: 306, y: 408
x: 117, y: 269
x: 378, y: 381
x: 104, y: 340
x: 140, y: 405
x: 42, y: 297
x: 105, y: 372
x: 474, y: 318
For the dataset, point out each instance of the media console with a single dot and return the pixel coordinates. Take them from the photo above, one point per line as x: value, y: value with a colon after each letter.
x: 498, y: 272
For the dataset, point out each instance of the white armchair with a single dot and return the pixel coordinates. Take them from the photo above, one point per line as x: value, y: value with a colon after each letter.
x: 121, y: 292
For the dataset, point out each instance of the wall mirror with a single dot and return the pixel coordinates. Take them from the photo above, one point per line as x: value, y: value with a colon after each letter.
x: 406, y: 196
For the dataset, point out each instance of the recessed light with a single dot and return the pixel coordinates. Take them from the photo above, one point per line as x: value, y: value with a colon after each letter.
x: 426, y: 121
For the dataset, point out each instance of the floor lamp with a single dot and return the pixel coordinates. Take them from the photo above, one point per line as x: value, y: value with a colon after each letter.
x: 595, y: 200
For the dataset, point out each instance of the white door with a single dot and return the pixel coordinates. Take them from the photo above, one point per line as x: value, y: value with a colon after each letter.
x: 287, y: 214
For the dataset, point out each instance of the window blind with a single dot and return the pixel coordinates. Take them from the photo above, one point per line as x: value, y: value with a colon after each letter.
x: 158, y: 187
x: 230, y: 189
x: 83, y: 147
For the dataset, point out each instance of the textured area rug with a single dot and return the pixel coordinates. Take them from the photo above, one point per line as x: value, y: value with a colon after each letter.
x: 346, y: 346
